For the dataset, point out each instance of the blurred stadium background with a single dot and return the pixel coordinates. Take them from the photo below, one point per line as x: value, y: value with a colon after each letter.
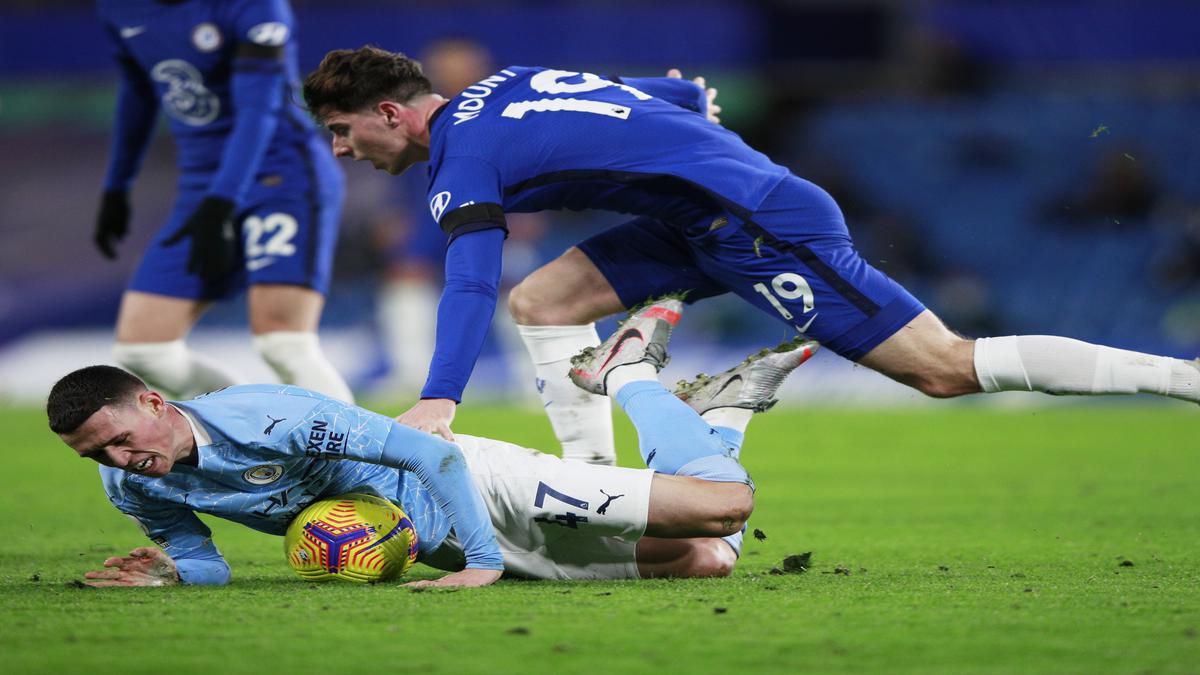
x: 1023, y: 167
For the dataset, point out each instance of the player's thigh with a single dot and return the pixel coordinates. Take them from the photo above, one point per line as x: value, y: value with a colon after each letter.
x: 820, y: 287
x: 646, y: 258
x: 284, y: 307
x: 290, y: 239
x: 568, y: 290
x: 148, y: 317
x: 927, y: 355
x: 683, y: 506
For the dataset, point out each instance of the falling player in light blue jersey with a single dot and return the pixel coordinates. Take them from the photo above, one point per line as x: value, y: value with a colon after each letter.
x: 259, y: 454
x: 259, y: 198
x: 712, y: 216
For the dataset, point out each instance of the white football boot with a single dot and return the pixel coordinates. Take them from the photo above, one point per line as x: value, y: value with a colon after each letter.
x: 640, y: 338
x: 752, y: 383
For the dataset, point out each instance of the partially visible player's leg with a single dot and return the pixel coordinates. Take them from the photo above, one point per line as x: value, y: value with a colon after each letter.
x: 161, y: 305
x: 284, y: 321
x: 696, y: 557
x: 929, y: 357
x: 150, y: 332
x: 555, y: 308
x: 290, y: 239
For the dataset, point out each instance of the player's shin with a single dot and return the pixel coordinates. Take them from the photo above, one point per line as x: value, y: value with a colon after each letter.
x: 582, y: 421
x: 296, y: 357
x: 1058, y: 365
x: 672, y: 438
x: 173, y: 367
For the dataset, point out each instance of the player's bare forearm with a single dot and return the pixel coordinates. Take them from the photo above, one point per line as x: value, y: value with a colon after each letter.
x: 468, y: 578
x: 710, y: 94
x: 144, y: 566
x: 433, y: 415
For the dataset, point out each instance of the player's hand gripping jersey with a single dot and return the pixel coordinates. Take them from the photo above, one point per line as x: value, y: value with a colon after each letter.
x: 532, y: 139
x: 267, y: 451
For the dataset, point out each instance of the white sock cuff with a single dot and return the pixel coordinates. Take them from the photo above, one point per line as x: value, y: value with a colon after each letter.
x: 998, y: 365
x: 730, y: 418
x: 286, y: 339
x: 547, y: 344
x: 633, y: 372
x: 142, y: 352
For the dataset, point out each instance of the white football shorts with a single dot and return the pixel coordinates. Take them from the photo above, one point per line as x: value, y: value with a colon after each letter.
x: 555, y: 518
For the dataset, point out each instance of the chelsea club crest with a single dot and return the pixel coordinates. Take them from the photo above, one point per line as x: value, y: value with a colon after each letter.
x: 206, y: 37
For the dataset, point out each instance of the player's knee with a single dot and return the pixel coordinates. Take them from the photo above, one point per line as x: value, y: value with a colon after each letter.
x: 734, y: 510
x: 711, y: 558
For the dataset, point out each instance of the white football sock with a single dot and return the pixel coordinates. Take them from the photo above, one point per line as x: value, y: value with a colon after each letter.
x: 730, y: 418
x: 1058, y: 365
x: 622, y: 375
x: 404, y: 310
x: 296, y: 357
x: 582, y: 421
x: 173, y: 367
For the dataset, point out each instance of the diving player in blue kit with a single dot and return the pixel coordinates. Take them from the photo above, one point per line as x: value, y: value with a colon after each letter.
x: 259, y: 197
x: 711, y: 214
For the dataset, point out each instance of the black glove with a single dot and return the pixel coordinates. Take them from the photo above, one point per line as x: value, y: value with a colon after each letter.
x: 214, y: 238
x: 112, y: 223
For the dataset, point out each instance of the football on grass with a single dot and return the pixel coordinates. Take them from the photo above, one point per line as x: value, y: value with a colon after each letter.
x: 352, y: 537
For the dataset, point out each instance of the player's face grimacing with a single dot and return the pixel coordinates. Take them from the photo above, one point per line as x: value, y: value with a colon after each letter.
x: 382, y: 135
x: 136, y: 437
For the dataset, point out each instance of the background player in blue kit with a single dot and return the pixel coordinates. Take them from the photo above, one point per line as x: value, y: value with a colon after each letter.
x: 712, y: 216
x: 258, y: 454
x: 259, y: 199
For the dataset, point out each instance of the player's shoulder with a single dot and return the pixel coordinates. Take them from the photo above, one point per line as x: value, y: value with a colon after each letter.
x: 122, y: 487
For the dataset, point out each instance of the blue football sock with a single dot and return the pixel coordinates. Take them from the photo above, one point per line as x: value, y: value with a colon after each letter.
x: 674, y: 440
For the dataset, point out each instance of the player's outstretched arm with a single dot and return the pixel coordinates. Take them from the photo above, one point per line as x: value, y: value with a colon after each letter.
x: 144, y: 566
x: 713, y: 110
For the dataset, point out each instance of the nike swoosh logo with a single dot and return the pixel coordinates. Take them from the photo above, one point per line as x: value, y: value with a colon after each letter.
x: 132, y: 31
x: 631, y: 333
x: 254, y: 265
x: 807, y: 324
x: 735, y: 378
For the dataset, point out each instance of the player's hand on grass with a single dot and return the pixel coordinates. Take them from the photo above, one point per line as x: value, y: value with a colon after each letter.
x: 710, y: 92
x: 215, y: 240
x: 431, y: 414
x: 468, y: 578
x: 144, y: 566
x: 112, y: 223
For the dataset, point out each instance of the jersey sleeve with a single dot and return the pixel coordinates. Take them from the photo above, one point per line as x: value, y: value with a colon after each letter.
x: 263, y: 29
x: 133, y: 122
x: 465, y: 195
x: 336, y: 430
x: 473, y: 267
x: 683, y: 93
x: 175, y: 529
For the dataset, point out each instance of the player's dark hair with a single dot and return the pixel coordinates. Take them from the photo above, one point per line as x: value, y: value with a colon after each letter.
x: 349, y: 80
x: 78, y: 395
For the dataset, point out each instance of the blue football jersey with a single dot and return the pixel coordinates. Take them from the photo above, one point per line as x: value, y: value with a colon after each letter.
x: 532, y: 139
x: 185, y: 51
x: 264, y: 453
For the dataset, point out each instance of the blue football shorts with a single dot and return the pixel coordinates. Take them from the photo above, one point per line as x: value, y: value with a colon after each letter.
x: 289, y: 236
x: 792, y: 258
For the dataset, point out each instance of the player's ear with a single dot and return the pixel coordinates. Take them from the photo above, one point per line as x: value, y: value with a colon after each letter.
x: 152, y: 401
x: 393, y: 113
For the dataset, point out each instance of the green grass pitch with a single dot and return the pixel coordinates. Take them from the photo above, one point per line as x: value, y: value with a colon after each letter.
x: 951, y: 539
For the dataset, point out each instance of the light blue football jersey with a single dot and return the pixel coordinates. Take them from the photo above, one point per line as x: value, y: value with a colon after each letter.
x: 265, y: 452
